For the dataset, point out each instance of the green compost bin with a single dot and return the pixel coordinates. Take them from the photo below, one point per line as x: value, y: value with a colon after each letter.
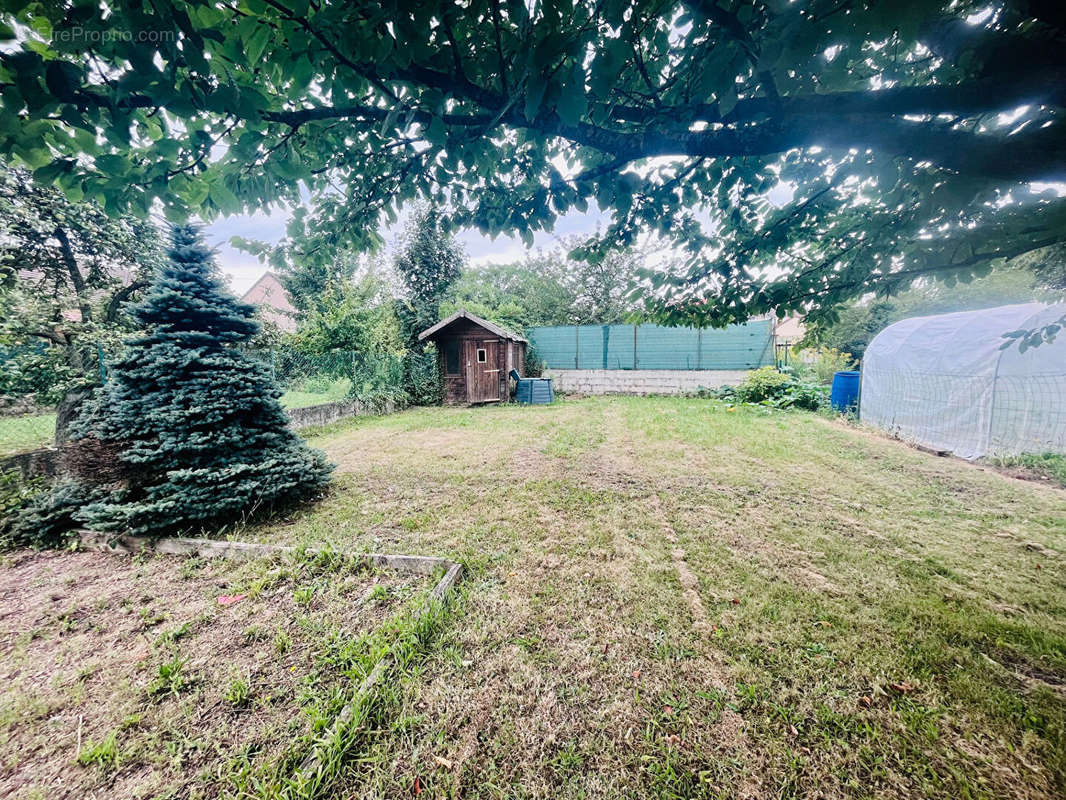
x: 535, y: 391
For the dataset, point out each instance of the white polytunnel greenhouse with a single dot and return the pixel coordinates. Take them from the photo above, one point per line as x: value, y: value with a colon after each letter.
x: 947, y: 383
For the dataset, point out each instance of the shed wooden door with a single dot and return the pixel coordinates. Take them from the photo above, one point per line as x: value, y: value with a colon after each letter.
x: 482, y: 370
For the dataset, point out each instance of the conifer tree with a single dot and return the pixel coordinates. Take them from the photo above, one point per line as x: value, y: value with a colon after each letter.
x: 197, y: 426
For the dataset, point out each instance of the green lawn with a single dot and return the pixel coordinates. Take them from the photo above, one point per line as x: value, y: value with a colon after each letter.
x: 328, y: 393
x: 669, y: 599
x: 18, y: 434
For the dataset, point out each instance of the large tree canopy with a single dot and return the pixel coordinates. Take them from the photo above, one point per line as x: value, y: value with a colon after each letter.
x: 66, y: 271
x: 904, y: 136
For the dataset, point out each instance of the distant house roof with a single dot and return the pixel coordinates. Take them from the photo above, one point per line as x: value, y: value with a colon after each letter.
x: 790, y: 329
x: 503, y: 333
x: 270, y: 297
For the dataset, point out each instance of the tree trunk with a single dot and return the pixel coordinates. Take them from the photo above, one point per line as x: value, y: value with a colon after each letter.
x: 68, y: 408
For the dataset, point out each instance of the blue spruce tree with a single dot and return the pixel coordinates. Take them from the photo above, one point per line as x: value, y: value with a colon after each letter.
x: 195, y: 424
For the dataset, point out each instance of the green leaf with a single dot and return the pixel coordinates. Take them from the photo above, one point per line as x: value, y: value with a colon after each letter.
x: 436, y: 132
x: 223, y: 199
x: 535, y: 89
x: 41, y: 25
x: 256, y: 43
x: 33, y: 157
x: 573, y: 104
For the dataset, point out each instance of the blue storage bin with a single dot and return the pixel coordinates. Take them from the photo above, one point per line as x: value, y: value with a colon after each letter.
x: 536, y: 391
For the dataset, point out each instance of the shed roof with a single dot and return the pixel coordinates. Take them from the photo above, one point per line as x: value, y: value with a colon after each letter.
x: 503, y: 333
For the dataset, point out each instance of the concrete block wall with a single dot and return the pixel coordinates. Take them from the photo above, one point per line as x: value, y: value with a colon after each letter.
x: 331, y: 412
x: 641, y: 381
x: 44, y: 463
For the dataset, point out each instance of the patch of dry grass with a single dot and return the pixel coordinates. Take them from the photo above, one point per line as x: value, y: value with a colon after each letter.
x: 669, y: 599
x: 129, y: 679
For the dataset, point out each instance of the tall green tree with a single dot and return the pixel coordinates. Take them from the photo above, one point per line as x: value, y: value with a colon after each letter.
x: 798, y: 152
x: 309, y: 284
x: 196, y: 426
x: 66, y: 270
x: 428, y: 262
x: 517, y: 296
x: 357, y: 318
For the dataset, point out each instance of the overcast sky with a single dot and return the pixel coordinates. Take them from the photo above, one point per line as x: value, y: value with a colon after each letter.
x: 243, y: 269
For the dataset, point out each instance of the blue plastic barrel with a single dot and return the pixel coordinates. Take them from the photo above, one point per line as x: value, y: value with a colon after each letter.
x: 844, y: 395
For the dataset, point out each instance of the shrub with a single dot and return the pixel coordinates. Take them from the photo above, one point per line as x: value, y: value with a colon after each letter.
x: 776, y: 389
x: 15, y: 494
x: 534, y: 364
x: 829, y: 360
x: 423, y: 386
x: 807, y: 396
x: 408, y: 380
x: 765, y: 383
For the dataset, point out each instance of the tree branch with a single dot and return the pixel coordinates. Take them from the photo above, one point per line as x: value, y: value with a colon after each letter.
x: 76, y: 281
x: 114, y: 305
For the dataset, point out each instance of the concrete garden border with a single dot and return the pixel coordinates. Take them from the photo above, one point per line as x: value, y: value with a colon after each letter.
x: 212, y: 548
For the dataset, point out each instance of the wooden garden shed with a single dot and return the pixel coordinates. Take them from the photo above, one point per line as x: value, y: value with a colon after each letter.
x: 475, y: 357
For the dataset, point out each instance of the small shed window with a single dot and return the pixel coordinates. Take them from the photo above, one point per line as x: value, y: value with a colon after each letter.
x: 481, y: 357
x: 451, y: 357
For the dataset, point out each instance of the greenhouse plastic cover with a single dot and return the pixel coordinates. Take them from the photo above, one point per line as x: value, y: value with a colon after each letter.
x: 946, y: 383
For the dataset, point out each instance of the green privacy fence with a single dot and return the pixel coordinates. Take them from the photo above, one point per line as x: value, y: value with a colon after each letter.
x: 744, y: 346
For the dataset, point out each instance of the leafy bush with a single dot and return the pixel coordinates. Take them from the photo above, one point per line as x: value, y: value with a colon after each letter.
x: 423, y: 386
x: 807, y: 396
x: 765, y: 383
x: 534, y: 364
x: 15, y: 493
x: 827, y: 361
x: 781, y: 390
x: 38, y: 372
x: 410, y: 379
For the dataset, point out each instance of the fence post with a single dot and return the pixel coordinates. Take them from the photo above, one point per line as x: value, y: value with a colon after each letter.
x: 699, y: 348
x: 606, y: 341
x: 273, y: 364
x: 768, y: 346
x: 577, y: 346
x: 634, y: 348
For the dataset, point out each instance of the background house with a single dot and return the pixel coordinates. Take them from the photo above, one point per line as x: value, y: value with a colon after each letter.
x: 273, y: 303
